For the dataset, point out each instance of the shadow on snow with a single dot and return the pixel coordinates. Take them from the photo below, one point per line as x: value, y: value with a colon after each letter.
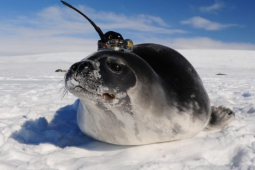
x: 62, y: 131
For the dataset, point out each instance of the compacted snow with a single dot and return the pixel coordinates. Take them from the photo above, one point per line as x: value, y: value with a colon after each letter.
x: 38, y: 128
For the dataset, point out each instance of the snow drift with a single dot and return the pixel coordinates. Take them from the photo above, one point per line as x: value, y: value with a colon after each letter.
x: 38, y: 128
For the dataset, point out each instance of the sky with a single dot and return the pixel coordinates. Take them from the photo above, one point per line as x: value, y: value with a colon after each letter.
x: 47, y: 26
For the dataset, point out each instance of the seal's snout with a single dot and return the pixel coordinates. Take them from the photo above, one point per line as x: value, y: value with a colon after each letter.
x: 74, y: 67
x: 83, y: 78
x: 84, y: 66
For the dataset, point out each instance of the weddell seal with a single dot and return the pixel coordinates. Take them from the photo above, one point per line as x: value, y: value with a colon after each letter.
x: 146, y: 95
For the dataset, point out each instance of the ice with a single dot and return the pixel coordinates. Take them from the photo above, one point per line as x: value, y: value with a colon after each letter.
x: 38, y: 128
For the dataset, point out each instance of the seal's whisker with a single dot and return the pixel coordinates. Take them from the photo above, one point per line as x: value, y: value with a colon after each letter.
x: 61, y: 81
x: 65, y: 92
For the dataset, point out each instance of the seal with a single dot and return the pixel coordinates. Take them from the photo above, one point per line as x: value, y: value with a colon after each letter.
x: 150, y: 95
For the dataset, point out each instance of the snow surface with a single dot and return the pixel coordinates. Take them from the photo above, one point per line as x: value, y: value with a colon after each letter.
x: 38, y: 128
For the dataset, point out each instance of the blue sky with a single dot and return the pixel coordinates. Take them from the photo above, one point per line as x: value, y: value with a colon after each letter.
x: 47, y: 26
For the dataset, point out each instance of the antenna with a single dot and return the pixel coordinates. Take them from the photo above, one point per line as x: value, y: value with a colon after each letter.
x: 99, y: 31
x: 110, y: 40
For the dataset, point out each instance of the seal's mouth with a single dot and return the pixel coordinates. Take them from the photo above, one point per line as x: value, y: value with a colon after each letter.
x: 108, y: 96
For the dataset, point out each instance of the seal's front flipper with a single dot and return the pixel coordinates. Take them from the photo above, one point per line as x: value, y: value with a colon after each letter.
x: 220, y: 117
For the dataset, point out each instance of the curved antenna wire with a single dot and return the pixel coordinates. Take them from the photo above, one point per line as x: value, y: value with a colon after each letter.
x: 99, y: 31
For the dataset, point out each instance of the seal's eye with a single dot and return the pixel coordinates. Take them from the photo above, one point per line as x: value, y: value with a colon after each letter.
x: 115, y: 67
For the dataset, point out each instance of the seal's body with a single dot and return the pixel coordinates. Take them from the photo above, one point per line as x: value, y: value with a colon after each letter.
x: 148, y: 96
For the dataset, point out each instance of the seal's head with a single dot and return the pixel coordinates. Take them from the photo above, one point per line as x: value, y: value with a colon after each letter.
x: 104, y: 76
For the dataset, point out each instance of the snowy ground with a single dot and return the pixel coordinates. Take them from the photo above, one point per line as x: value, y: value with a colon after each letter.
x: 38, y: 127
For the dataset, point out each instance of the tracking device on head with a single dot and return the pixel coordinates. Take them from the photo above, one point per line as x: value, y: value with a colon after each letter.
x: 110, y: 40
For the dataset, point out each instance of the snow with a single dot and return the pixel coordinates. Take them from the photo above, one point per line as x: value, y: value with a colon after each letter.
x: 38, y: 128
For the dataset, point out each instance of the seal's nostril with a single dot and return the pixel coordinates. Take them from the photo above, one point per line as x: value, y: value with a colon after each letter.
x: 74, y: 67
x: 231, y: 113
x: 83, y: 67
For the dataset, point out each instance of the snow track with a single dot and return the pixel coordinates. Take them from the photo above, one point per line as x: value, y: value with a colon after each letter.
x: 38, y: 128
